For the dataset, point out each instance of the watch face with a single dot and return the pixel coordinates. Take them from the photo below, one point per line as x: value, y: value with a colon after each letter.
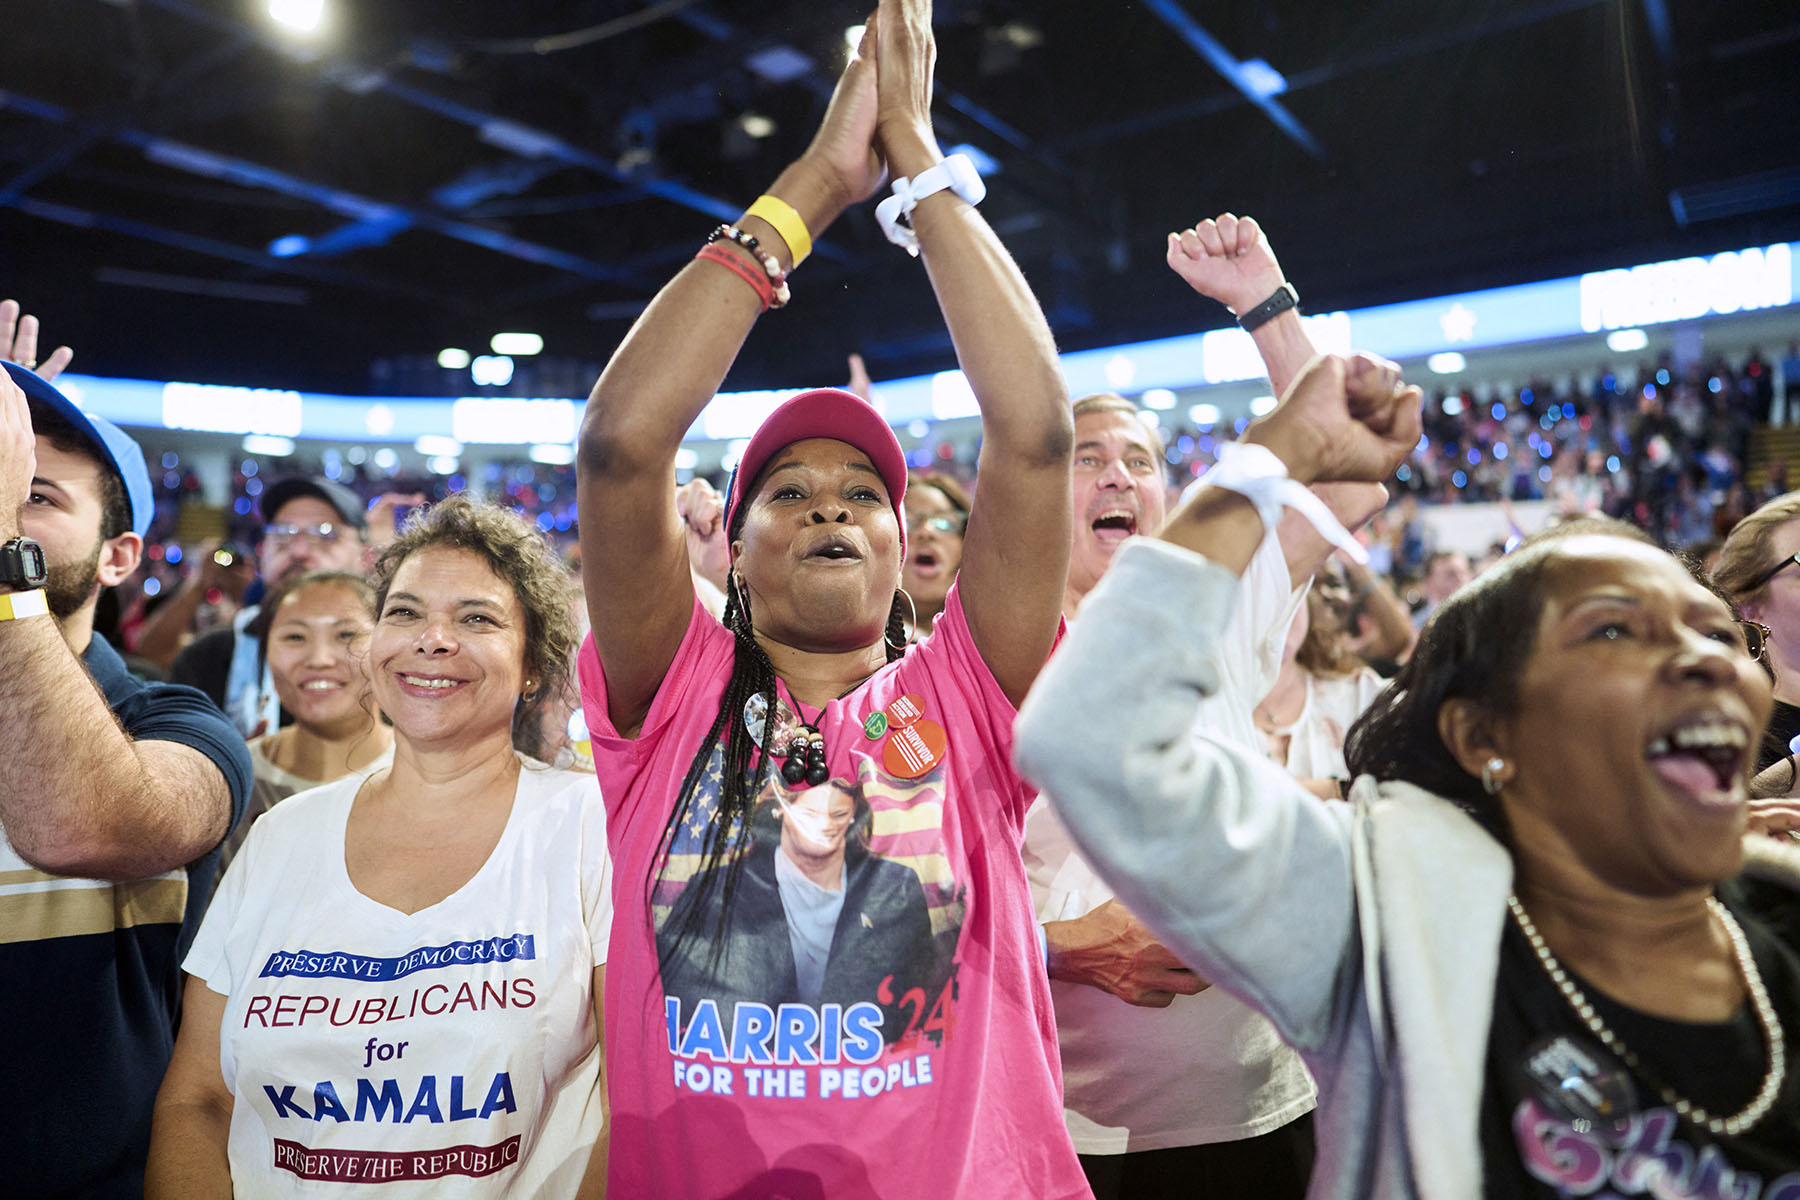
x: 22, y: 561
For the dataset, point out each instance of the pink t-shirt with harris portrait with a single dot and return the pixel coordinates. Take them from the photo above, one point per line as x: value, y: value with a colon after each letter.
x: 891, y: 1035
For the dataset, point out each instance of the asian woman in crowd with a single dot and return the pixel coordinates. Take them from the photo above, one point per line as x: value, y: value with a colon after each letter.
x: 314, y: 633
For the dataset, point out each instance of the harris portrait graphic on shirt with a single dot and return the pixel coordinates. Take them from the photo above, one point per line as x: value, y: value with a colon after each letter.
x: 816, y: 915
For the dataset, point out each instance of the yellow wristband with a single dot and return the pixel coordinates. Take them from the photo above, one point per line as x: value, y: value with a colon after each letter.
x: 787, y: 223
x: 14, y: 605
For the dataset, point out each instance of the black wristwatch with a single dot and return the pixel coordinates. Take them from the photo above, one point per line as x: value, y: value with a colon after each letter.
x: 22, y: 564
x: 1285, y: 297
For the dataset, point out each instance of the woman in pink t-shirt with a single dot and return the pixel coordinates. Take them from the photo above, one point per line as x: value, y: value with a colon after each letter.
x: 824, y: 977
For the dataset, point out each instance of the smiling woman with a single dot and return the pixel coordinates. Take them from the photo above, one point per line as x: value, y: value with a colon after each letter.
x: 314, y: 634
x: 460, y: 893
x: 1537, y: 951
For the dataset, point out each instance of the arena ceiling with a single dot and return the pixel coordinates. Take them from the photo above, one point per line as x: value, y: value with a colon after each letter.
x: 189, y: 191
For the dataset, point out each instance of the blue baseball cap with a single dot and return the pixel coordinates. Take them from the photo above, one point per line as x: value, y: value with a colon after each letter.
x: 115, y: 448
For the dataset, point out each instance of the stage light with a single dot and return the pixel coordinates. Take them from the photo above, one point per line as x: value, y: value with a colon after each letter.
x: 436, y: 445
x: 522, y: 345
x: 1262, y: 406
x: 268, y: 444
x: 554, y: 454
x: 1447, y: 363
x: 1624, y: 341
x: 452, y: 359
x: 491, y: 370
x: 756, y: 125
x: 1161, y: 399
x: 1204, y: 415
x: 301, y: 16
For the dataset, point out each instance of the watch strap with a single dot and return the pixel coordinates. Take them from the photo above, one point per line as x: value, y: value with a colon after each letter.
x: 14, y: 605
x: 1285, y: 297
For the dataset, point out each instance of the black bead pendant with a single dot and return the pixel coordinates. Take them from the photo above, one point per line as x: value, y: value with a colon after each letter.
x: 817, y: 773
x: 792, y: 768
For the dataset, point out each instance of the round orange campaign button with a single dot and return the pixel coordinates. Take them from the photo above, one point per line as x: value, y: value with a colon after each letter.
x: 915, y: 748
x: 905, y: 710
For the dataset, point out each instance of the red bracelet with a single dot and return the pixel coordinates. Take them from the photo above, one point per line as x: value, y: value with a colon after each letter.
x: 765, y: 291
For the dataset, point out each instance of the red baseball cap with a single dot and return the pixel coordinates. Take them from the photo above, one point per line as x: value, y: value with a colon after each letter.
x: 824, y: 413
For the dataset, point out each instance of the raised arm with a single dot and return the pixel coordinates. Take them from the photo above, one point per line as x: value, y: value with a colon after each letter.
x: 1016, y: 552
x: 81, y: 796
x: 633, y: 548
x: 1108, y: 730
x: 1230, y: 260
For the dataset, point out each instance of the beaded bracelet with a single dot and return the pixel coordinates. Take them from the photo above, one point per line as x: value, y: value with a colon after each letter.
x: 765, y: 292
x: 770, y: 264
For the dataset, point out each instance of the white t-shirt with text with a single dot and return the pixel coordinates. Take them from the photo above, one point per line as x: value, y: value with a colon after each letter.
x: 446, y: 1053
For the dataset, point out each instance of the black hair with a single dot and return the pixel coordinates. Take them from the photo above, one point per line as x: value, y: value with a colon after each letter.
x: 1474, y: 647
x: 745, y: 762
x: 59, y: 431
x: 766, y: 827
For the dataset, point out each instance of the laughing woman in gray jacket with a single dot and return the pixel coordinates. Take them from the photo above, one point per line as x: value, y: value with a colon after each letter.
x: 1532, y: 956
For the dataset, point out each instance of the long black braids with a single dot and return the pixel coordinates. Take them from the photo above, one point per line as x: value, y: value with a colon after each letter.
x: 744, y: 767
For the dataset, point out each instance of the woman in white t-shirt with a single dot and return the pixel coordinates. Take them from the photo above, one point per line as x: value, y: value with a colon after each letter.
x: 399, y: 981
x: 1321, y: 690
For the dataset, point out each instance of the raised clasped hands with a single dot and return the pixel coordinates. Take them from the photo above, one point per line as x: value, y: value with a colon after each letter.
x: 882, y: 105
x: 1227, y: 259
x: 843, y: 150
x: 906, y: 57
x: 1344, y: 419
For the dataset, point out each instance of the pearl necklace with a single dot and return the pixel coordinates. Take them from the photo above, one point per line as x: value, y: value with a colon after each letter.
x: 1759, y: 998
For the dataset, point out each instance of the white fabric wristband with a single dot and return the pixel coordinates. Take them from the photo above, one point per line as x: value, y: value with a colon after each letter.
x: 1255, y: 473
x: 894, y: 214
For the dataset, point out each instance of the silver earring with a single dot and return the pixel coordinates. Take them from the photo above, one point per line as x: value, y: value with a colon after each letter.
x: 1490, y: 770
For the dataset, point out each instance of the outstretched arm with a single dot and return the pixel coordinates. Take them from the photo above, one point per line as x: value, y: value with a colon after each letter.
x: 633, y: 546
x: 1016, y: 551
x: 1228, y: 259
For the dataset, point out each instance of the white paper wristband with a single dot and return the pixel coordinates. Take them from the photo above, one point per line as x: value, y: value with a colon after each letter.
x: 1255, y: 473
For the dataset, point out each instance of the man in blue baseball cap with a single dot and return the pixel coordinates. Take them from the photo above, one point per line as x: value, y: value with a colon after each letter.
x: 114, y: 800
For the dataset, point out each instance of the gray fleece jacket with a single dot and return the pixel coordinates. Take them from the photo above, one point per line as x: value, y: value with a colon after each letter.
x: 1368, y: 932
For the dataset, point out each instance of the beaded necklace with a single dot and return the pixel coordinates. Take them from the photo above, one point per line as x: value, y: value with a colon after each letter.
x: 1773, y: 1077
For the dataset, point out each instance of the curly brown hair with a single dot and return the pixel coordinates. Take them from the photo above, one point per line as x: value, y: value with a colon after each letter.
x: 516, y: 553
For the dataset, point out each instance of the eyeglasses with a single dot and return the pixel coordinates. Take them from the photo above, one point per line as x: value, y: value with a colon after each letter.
x: 1756, y: 639
x: 281, y: 535
x: 1771, y: 573
x: 941, y: 523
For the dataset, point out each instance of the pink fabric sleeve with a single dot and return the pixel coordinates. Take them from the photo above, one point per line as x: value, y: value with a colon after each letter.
x: 705, y: 645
